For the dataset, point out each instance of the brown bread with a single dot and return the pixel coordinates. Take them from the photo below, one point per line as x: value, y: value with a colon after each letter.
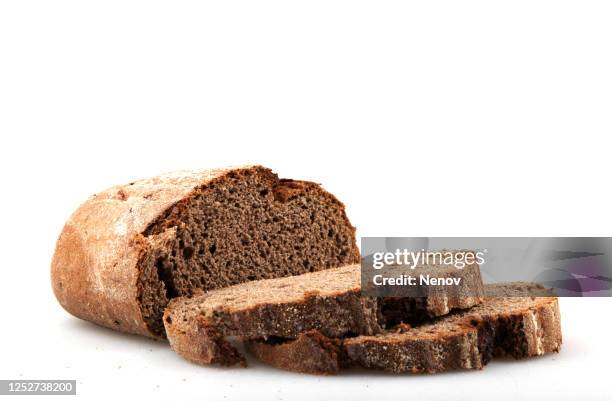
x: 328, y: 301
x: 128, y: 250
x: 509, y: 322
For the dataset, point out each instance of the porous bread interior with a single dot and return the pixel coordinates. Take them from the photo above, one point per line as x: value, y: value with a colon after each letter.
x: 292, y: 289
x: 246, y: 225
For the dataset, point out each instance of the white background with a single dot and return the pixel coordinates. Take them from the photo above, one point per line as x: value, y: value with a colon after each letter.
x: 432, y: 118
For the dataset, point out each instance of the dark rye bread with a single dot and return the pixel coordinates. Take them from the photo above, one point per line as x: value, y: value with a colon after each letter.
x: 510, y: 322
x: 128, y: 250
x: 329, y: 301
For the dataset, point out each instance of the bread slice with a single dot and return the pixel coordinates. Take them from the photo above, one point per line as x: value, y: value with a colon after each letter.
x: 329, y: 301
x: 511, y: 321
x: 128, y: 250
x: 311, y: 352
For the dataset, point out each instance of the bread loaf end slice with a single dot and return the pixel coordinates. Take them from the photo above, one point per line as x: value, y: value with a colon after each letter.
x: 311, y: 353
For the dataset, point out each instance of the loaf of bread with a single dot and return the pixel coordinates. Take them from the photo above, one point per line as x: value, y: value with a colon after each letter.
x: 511, y: 321
x: 130, y: 249
x: 328, y: 301
x: 199, y: 256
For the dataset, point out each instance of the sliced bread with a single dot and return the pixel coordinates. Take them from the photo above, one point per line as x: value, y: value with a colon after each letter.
x: 512, y: 321
x: 328, y: 301
x: 128, y: 250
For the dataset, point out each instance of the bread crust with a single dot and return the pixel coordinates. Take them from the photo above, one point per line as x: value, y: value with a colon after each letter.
x: 95, y: 266
x: 311, y: 352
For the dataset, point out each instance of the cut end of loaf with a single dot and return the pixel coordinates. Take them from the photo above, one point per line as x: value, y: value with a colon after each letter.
x: 245, y: 225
